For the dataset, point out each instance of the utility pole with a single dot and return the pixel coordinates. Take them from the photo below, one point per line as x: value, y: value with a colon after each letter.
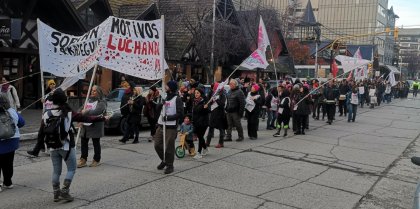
x: 212, y: 42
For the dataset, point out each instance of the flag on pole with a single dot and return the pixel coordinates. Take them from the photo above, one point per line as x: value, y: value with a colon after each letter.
x: 391, y: 79
x: 350, y: 76
x: 334, y: 69
x: 351, y: 63
x: 256, y: 60
x: 360, y: 72
x: 263, y: 41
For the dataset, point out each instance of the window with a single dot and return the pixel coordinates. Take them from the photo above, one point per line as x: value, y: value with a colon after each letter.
x: 381, y: 11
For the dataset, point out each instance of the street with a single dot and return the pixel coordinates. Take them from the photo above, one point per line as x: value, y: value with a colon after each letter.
x: 365, y: 164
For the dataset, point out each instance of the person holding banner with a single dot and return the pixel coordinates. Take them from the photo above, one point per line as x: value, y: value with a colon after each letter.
x: 67, y: 152
x: 344, y: 89
x: 95, y: 107
x: 169, y: 116
x: 253, y: 105
x: 331, y: 94
x: 135, y: 107
x: 200, y: 120
x: 284, y: 111
x: 218, y: 115
x: 352, y: 102
x: 48, y: 105
x: 149, y: 110
x: 10, y: 91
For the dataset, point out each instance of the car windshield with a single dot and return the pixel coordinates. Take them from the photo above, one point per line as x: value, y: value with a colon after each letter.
x: 114, y: 96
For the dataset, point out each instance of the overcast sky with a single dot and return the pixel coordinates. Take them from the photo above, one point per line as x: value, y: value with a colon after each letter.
x: 407, y: 10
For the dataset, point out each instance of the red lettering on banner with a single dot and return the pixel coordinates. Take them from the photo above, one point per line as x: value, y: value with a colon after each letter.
x: 127, y: 46
x: 137, y: 47
x: 133, y: 47
x: 144, y: 49
x: 110, y: 46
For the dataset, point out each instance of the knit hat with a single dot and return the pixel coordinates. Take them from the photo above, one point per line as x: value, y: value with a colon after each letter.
x: 172, y: 85
x: 50, y: 82
x: 256, y: 87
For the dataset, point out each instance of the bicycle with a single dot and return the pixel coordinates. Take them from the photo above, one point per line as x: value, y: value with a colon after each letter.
x: 180, y: 150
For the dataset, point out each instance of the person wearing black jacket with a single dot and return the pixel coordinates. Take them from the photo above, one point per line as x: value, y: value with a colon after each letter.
x: 200, y: 115
x: 302, y: 110
x: 284, y: 111
x: 125, y: 110
x: 218, y: 115
x: 344, y: 88
x: 169, y: 116
x: 234, y: 110
x: 330, y: 95
x: 135, y: 107
x: 253, y: 107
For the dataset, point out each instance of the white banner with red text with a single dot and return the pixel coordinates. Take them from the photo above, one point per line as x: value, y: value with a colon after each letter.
x: 127, y: 46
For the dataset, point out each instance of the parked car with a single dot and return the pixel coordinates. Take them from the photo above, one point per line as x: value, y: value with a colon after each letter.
x: 117, y: 121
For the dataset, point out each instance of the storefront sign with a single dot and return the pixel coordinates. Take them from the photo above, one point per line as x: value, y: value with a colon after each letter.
x: 5, y: 28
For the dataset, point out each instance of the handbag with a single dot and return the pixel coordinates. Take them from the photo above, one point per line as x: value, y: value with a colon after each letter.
x: 7, y: 127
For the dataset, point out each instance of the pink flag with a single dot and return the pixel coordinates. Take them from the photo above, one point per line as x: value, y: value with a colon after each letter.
x: 263, y: 41
x: 350, y: 75
x: 256, y: 60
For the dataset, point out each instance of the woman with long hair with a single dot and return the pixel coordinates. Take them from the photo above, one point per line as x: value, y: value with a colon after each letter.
x: 200, y: 116
x: 96, y: 106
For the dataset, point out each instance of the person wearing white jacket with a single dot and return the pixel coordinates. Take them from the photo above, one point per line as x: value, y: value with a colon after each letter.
x: 10, y: 91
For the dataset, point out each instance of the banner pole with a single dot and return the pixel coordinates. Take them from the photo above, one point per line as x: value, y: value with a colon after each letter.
x: 274, y: 64
x: 42, y: 90
x: 86, y: 101
x: 162, y: 60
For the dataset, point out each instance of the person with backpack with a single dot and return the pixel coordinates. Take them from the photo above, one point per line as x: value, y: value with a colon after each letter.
x: 10, y: 92
x: 48, y: 104
x: 9, y: 140
x: 95, y: 107
x: 59, y: 138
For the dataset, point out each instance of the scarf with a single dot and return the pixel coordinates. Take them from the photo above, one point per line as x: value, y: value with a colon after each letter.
x: 197, y: 100
x: 5, y: 87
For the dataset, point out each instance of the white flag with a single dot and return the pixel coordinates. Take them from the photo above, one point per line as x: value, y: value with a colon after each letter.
x: 350, y: 63
x: 391, y: 79
x: 256, y: 60
x: 263, y: 41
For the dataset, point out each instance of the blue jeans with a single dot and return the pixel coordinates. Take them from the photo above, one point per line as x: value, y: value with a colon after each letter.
x: 388, y: 98
x: 351, y: 110
x: 57, y: 157
x: 271, y: 118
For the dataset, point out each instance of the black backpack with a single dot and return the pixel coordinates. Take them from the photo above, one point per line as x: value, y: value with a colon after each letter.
x: 54, y: 130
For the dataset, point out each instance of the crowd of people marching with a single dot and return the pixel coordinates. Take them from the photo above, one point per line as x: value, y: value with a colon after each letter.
x: 188, y: 109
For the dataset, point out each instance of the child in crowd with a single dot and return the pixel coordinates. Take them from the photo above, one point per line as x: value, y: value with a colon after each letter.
x: 187, y: 129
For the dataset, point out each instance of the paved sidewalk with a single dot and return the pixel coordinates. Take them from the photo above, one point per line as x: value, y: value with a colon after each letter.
x: 344, y: 165
x: 33, y: 120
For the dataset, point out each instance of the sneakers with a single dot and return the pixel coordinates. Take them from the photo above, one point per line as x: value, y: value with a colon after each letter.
x: 205, y: 152
x: 161, y: 166
x: 198, y: 156
x: 219, y: 146
x: 2, y: 186
x: 94, y: 163
x: 81, y: 163
x: 277, y: 134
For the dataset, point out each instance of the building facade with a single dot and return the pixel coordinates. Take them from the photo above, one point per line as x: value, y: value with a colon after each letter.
x: 347, y: 17
x: 409, y: 50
